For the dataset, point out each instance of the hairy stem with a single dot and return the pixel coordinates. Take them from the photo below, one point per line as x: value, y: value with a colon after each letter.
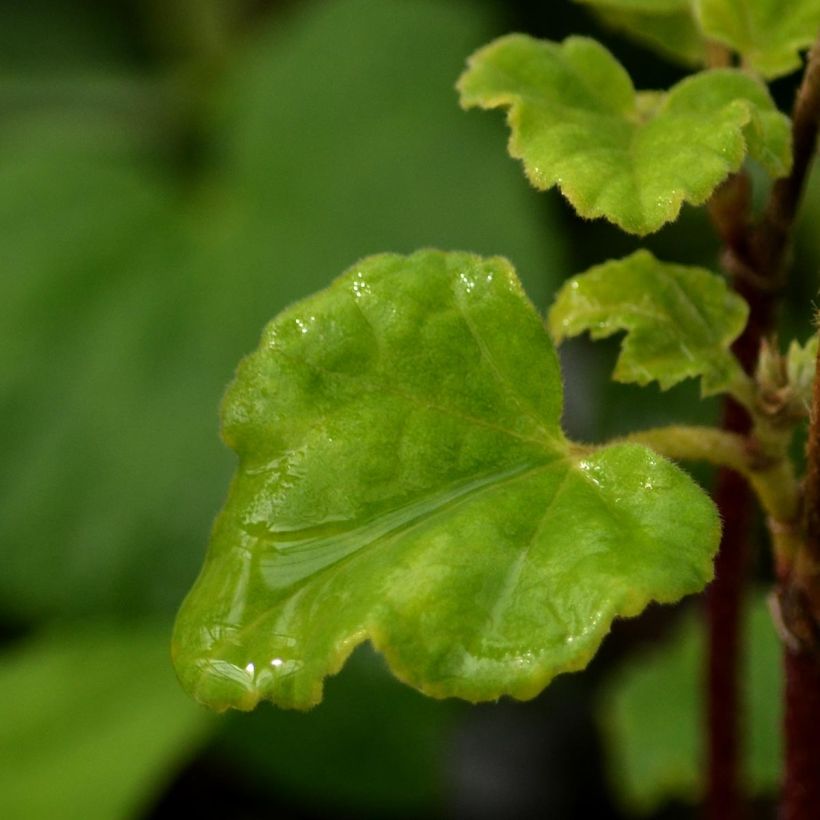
x: 773, y: 481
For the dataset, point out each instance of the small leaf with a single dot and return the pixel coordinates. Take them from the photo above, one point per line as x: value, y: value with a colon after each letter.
x: 801, y: 363
x: 403, y: 478
x: 768, y: 33
x: 652, y: 713
x: 632, y: 158
x: 680, y: 320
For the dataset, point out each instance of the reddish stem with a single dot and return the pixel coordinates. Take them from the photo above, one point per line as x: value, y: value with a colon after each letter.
x: 801, y: 788
x: 800, y: 604
x: 755, y: 256
x: 723, y: 613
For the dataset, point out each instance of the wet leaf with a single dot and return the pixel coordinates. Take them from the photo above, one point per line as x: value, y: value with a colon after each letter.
x: 680, y: 320
x: 633, y: 158
x: 403, y: 478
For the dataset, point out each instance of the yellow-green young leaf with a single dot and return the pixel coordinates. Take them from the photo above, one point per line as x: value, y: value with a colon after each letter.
x: 769, y: 34
x: 652, y: 714
x: 403, y: 478
x: 801, y: 364
x: 680, y: 320
x: 666, y: 26
x: 632, y: 158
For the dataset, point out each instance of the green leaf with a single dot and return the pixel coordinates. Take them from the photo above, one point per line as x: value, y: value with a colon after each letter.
x: 680, y: 320
x: 801, y: 364
x: 648, y: 6
x: 769, y: 34
x: 652, y: 713
x: 674, y: 35
x: 632, y: 158
x: 403, y: 477
x: 94, y: 724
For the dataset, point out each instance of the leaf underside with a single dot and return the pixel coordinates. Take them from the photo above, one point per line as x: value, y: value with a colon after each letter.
x: 633, y: 158
x: 680, y: 320
x: 403, y: 478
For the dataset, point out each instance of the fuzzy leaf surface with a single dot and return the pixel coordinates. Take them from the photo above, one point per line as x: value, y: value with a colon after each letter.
x: 769, y: 34
x: 680, y: 320
x: 633, y: 158
x: 403, y: 478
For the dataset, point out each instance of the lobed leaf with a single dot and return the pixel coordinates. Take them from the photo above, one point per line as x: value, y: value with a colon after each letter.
x: 633, y: 158
x: 403, y: 478
x: 769, y: 34
x: 652, y: 714
x: 680, y: 320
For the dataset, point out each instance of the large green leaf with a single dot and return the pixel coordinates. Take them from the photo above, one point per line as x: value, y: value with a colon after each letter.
x: 632, y: 158
x: 680, y: 320
x: 94, y: 724
x: 653, y: 711
x: 403, y: 477
x: 769, y: 34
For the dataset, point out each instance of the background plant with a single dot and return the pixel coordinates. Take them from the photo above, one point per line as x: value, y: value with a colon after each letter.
x: 164, y: 222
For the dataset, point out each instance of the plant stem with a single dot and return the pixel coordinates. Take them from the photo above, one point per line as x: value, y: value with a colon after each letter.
x: 801, y: 788
x: 800, y: 611
x: 773, y: 481
x: 755, y: 256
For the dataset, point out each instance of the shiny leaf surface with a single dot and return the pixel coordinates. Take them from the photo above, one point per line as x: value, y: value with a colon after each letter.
x: 633, y: 158
x: 680, y: 320
x: 403, y: 478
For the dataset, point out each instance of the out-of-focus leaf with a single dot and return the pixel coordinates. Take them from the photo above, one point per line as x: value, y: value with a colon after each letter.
x: 667, y: 26
x: 400, y: 738
x: 94, y: 724
x: 403, y: 477
x: 801, y: 364
x: 652, y: 713
x: 769, y: 34
x: 126, y: 305
x: 674, y: 36
x: 634, y: 159
x: 680, y: 320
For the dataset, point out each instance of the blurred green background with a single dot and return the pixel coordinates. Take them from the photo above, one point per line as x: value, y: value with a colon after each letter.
x: 172, y: 174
